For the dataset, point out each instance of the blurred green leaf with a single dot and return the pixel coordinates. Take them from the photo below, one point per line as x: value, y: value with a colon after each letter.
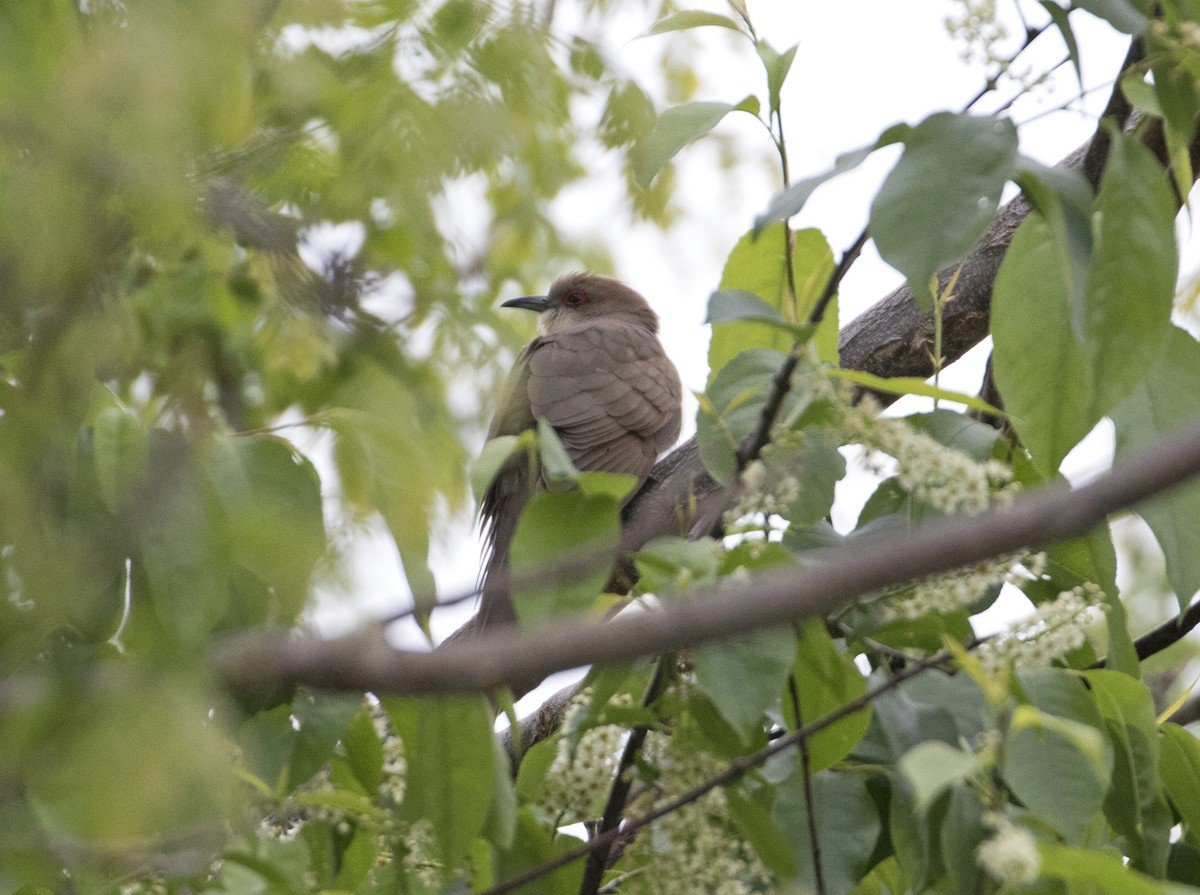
x: 744, y: 675
x: 1059, y: 769
x: 1180, y: 768
x: 691, y: 18
x: 826, y: 680
x: 676, y: 127
x: 450, y: 763
x: 847, y: 825
x: 932, y: 767
x: 554, y: 526
x: 1124, y: 15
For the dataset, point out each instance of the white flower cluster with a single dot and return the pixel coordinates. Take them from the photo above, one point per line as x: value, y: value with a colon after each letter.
x: 764, y: 491
x: 395, y: 766
x: 694, y: 850
x: 977, y: 26
x: 962, y: 587
x: 577, y: 786
x: 419, y: 856
x: 1053, y: 630
x: 1010, y: 856
x: 940, y: 477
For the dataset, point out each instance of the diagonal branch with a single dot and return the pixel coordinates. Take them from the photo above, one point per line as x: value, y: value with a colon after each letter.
x: 258, y: 663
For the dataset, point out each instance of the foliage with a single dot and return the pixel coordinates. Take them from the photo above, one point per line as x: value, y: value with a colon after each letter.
x: 165, y: 167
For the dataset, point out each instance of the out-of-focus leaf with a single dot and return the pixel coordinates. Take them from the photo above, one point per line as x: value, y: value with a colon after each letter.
x: 120, y: 452
x: 450, y: 762
x: 827, y: 680
x: 493, y: 456
x: 1058, y: 768
x: 777, y: 66
x: 744, y: 675
x: 1124, y: 15
x: 754, y: 821
x: 932, y: 767
x: 691, y: 18
x: 1135, y: 805
x: 676, y: 127
x: 1180, y: 769
x: 1062, y: 22
x: 946, y: 186
x: 554, y: 526
x: 847, y: 825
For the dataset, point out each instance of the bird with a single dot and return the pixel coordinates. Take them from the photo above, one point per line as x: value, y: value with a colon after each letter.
x: 599, y: 376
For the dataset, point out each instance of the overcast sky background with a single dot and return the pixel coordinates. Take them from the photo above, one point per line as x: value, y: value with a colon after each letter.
x: 861, y: 66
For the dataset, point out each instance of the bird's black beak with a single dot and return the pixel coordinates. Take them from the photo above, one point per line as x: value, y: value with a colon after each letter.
x: 537, y: 303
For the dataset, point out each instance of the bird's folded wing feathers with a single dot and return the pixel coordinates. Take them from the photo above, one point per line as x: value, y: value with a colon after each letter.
x: 609, y: 392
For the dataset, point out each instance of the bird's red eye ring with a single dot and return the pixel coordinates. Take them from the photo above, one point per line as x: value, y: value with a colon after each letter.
x: 575, y: 298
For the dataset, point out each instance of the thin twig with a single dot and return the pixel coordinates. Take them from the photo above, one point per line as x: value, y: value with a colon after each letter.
x: 614, y: 809
x: 814, y: 841
x: 1167, y: 634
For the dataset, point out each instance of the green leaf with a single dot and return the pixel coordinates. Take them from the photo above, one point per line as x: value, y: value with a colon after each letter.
x: 556, y: 463
x: 616, y: 485
x: 533, y: 846
x: 1131, y: 283
x: 753, y: 820
x: 1135, y: 806
x: 933, y: 767
x: 1123, y: 15
x: 270, y: 497
x: 945, y: 187
x: 1162, y: 403
x: 1040, y: 369
x: 555, y: 525
x: 1063, y: 198
x: 494, y: 455
x: 321, y: 719
x: 666, y: 562
x: 1062, y: 22
x: 827, y: 680
x: 791, y: 200
x: 675, y: 128
x: 962, y: 831
x: 120, y: 452
x: 691, y: 18
x: 1058, y: 768
x: 1100, y: 871
x: 732, y: 407
x: 1180, y: 771
x: 450, y: 759
x: 757, y: 266
x: 364, y: 751
x: 911, y: 385
x: 777, y: 66
x: 847, y: 825
x: 744, y: 675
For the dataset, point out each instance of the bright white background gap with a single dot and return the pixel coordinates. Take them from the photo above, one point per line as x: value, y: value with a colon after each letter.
x: 861, y: 66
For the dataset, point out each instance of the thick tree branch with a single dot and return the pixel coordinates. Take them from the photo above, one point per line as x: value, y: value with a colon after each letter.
x: 259, y: 663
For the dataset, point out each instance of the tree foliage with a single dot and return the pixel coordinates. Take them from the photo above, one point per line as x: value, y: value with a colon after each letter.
x: 175, y: 307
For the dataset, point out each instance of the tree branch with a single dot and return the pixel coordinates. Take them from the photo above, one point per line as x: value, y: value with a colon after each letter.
x: 256, y: 662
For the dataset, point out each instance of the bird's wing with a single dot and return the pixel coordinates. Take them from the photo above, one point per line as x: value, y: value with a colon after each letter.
x: 610, y: 393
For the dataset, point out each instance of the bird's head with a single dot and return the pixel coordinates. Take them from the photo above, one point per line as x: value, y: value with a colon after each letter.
x: 580, y: 297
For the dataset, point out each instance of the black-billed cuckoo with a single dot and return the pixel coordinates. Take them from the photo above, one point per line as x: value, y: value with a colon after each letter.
x: 600, y: 377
